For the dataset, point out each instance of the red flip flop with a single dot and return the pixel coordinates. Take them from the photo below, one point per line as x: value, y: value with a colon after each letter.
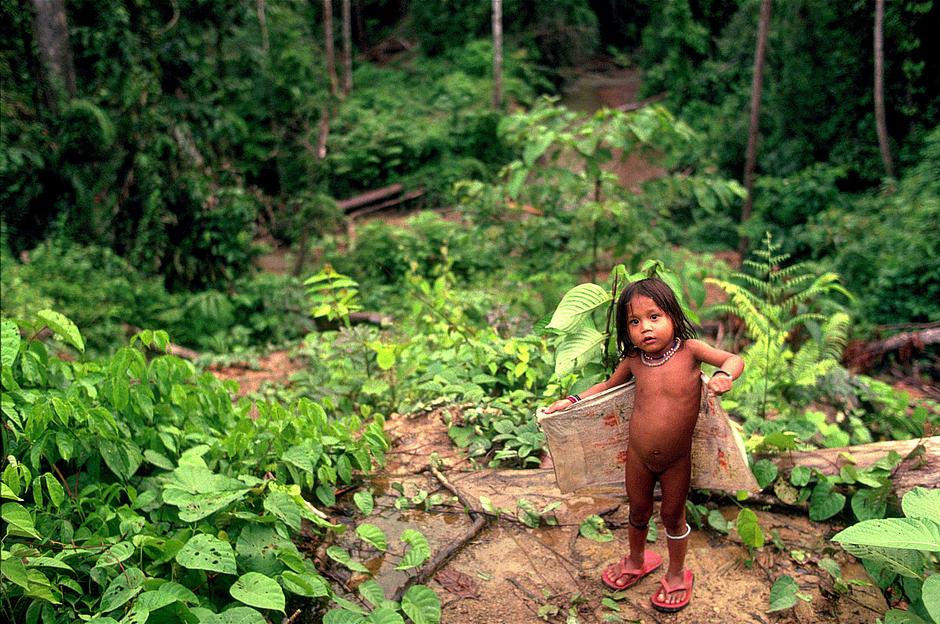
x: 618, y: 577
x: 685, y: 585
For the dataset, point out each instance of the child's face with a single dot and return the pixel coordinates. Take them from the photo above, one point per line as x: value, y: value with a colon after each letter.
x: 651, y: 329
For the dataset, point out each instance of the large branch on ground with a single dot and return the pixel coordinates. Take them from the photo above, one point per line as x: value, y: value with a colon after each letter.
x: 861, y: 355
x: 370, y: 197
x: 445, y: 554
x: 923, y: 470
x: 387, y: 204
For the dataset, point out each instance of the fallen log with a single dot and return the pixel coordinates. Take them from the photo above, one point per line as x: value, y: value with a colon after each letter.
x: 923, y: 470
x: 863, y: 355
x: 369, y: 197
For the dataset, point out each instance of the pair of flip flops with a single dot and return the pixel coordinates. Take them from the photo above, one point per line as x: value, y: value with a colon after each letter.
x: 620, y: 576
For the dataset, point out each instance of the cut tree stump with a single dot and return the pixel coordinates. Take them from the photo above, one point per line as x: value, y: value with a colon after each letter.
x: 923, y: 470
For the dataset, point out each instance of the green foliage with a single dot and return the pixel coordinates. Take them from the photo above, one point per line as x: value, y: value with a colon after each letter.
x: 776, y: 303
x: 816, y: 102
x: 877, y: 244
x: 104, y: 293
x: 134, y: 487
x: 903, y: 547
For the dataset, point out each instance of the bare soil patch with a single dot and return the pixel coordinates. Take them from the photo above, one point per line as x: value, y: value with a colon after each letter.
x: 510, y: 571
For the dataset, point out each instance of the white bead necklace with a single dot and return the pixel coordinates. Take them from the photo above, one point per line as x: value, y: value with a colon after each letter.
x: 662, y: 358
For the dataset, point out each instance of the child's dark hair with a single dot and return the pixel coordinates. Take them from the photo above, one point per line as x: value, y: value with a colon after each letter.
x: 662, y: 295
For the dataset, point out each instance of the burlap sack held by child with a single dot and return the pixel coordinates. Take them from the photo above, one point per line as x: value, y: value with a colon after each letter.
x: 588, y: 444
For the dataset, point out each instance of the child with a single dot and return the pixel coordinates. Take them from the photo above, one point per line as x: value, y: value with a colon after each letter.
x: 657, y: 348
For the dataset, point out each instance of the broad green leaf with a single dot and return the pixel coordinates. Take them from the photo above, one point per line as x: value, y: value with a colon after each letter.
x: 9, y: 342
x: 373, y: 535
x: 783, y: 594
x: 868, y: 504
x: 242, y: 615
x: 384, y: 615
x: 824, y: 503
x: 12, y: 569
x: 55, y: 490
x: 364, y: 502
x: 309, y: 585
x: 903, y: 533
x: 930, y: 594
x: 372, y: 592
x: 257, y: 547
x: 63, y: 327
x: 800, y: 475
x: 18, y: 520
x: 899, y: 616
x: 536, y: 148
x: 748, y: 529
x: 576, y: 304
x: 576, y: 349
x: 207, y: 552
x: 903, y: 561
x: 594, y: 528
x: 422, y: 605
x: 257, y: 590
x: 195, y: 507
x: 718, y: 522
x: 419, y: 551
x: 765, y: 471
x: 284, y: 507
x: 125, y: 586
x: 342, y: 616
x: 922, y: 503
x: 114, y: 555
x: 341, y: 556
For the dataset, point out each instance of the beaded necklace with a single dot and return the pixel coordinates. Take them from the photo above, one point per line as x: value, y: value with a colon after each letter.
x: 662, y: 358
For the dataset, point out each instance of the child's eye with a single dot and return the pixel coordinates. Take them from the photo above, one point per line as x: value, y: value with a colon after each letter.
x: 634, y: 321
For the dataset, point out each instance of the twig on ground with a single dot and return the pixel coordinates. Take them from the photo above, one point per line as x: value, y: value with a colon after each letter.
x: 444, y: 555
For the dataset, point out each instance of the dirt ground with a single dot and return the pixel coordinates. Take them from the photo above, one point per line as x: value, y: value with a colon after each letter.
x: 508, y: 572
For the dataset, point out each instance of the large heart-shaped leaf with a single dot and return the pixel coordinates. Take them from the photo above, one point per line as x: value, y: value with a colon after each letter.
x: 373, y: 535
x: 419, y: 551
x: 257, y: 590
x: 922, y: 503
x: 421, y: 605
x: 206, y: 552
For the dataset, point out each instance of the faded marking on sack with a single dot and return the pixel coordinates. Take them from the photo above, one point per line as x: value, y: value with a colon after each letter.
x: 611, y: 420
x: 723, y: 460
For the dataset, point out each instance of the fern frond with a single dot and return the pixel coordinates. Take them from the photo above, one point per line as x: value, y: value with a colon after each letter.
x: 835, y: 335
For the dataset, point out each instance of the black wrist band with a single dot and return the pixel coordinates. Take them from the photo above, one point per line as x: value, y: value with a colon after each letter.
x: 723, y: 372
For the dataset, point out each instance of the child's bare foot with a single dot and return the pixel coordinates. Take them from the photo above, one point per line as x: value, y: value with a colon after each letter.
x: 674, y: 593
x: 625, y: 573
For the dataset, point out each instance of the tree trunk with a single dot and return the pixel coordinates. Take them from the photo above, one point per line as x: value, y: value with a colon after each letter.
x: 263, y: 24
x: 497, y: 53
x: 750, y: 164
x: 328, y: 43
x: 879, y: 89
x: 347, y: 48
x: 51, y: 34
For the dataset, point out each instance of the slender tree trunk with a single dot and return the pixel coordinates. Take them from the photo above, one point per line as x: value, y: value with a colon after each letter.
x: 347, y: 48
x: 497, y: 53
x: 750, y: 163
x: 879, y: 94
x: 263, y: 24
x: 360, y: 27
x: 328, y: 42
x: 51, y: 34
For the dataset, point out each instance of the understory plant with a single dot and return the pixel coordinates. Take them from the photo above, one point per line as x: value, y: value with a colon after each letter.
x: 135, y: 489
x: 903, y: 554
x: 793, y: 343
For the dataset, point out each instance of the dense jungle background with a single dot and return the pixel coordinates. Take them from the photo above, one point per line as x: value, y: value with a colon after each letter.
x: 284, y: 283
